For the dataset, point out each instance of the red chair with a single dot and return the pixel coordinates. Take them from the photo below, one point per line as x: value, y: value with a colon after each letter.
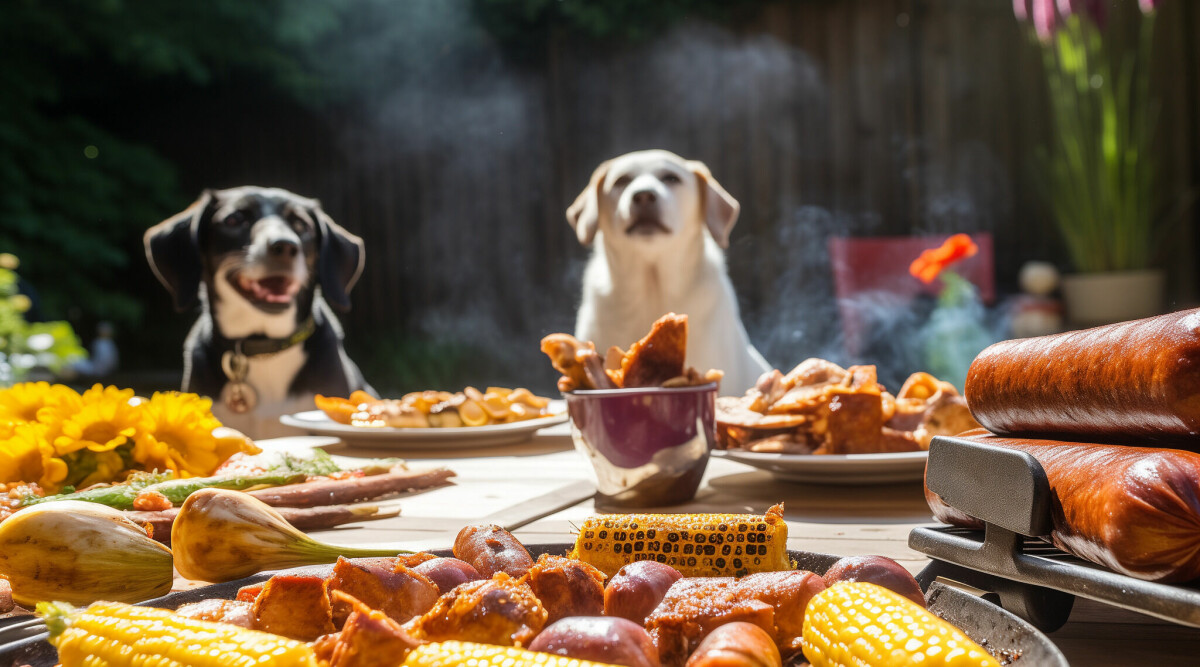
x: 880, y: 264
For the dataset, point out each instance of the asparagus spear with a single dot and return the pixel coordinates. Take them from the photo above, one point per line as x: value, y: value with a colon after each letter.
x: 121, y: 496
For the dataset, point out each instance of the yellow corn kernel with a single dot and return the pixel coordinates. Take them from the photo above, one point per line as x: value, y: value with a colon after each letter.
x: 698, y: 545
x: 858, y: 623
x: 111, y: 634
x: 447, y: 654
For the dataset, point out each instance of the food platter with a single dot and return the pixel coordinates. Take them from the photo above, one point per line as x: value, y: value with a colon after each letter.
x: 835, y: 469
x: 316, y: 422
x: 1002, y: 632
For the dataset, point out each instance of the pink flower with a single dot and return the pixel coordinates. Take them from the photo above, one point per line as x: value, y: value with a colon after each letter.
x: 1021, y: 9
x: 1045, y: 19
x: 1149, y: 6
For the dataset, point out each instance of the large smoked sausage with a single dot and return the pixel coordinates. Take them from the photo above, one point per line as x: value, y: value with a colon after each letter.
x: 1133, y: 509
x: 1136, y: 379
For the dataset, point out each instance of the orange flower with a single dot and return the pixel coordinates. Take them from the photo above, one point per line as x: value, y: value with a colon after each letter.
x: 932, y: 262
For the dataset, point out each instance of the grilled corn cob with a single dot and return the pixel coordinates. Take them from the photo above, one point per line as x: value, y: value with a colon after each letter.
x: 852, y: 624
x: 111, y: 634
x: 698, y: 545
x: 446, y: 654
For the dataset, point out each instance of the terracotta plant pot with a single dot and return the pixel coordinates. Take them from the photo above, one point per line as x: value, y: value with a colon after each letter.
x: 1114, y: 296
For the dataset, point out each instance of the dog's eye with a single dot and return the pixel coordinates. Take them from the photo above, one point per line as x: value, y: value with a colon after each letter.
x: 235, y: 219
x: 298, y: 224
x: 671, y: 179
x: 622, y: 181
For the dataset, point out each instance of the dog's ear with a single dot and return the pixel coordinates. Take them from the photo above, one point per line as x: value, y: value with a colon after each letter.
x: 584, y: 213
x: 340, y: 259
x: 719, y: 207
x: 173, y: 251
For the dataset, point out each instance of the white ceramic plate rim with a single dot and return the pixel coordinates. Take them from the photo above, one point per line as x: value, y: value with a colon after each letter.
x: 316, y: 420
x: 824, y: 460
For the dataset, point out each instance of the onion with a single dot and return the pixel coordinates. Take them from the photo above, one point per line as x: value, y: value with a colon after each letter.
x: 221, y: 535
x: 80, y: 552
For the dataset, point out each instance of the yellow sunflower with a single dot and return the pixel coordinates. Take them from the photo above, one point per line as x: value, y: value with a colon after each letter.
x: 106, y: 420
x: 22, y: 402
x: 181, y: 434
x: 27, y: 456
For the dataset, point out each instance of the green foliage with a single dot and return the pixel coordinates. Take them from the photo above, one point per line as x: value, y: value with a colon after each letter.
x: 23, y: 346
x: 75, y: 196
x: 1100, y: 168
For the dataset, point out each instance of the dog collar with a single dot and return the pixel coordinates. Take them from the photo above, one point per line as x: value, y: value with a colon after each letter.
x: 257, y: 346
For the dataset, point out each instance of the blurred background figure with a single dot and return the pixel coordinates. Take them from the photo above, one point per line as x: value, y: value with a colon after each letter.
x: 103, y: 356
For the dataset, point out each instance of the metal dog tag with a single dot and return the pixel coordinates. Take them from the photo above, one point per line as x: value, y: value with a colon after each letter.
x: 237, y: 394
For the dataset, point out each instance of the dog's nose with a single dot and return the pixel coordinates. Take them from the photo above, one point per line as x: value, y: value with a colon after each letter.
x: 285, y: 248
x: 644, y: 197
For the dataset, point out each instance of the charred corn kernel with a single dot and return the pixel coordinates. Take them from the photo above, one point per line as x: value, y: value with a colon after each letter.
x: 698, y: 545
x: 111, y: 634
x: 858, y: 623
x: 445, y: 654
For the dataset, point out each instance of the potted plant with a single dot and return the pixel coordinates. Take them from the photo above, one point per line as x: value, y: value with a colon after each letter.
x: 1099, y: 167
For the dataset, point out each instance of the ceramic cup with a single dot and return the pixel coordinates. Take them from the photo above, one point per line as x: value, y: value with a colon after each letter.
x: 648, y: 446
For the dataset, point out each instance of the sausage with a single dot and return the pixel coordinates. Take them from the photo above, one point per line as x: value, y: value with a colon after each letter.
x: 637, y: 588
x: 695, y: 606
x: 491, y: 549
x: 567, y: 587
x: 351, y: 490
x: 736, y: 644
x: 1133, y: 379
x: 614, y: 641
x: 447, y: 573
x: 384, y: 584
x: 1135, y: 510
x: 6, y: 599
x: 879, y: 570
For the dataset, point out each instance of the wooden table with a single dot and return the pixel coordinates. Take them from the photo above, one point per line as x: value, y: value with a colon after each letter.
x: 544, y: 478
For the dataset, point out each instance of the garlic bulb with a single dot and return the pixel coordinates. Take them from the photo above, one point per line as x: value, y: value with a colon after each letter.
x: 79, y: 552
x: 221, y: 535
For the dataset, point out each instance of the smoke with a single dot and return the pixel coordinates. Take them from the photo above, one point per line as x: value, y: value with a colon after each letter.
x: 445, y: 111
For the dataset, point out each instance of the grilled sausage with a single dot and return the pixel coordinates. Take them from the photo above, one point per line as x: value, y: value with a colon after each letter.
x: 491, y: 549
x: 736, y: 644
x: 1133, y: 379
x: 447, y: 573
x: 636, y: 589
x: 614, y: 641
x: 1133, y: 509
x: 351, y: 490
x: 876, y: 570
x: 567, y: 587
x: 695, y: 606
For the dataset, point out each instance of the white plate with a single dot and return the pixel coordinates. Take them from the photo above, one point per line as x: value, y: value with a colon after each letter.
x: 838, y: 469
x: 461, y: 437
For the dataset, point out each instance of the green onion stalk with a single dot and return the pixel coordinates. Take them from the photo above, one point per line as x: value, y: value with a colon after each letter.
x: 1099, y: 167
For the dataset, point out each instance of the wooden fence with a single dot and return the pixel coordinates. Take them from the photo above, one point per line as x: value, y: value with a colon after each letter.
x: 834, y: 117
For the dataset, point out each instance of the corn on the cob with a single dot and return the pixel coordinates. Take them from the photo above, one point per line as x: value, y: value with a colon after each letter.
x: 859, y: 623
x: 698, y: 545
x: 111, y: 634
x: 447, y: 654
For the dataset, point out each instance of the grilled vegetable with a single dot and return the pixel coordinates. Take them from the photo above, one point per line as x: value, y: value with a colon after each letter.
x: 110, y: 634
x: 698, y: 545
x: 859, y: 623
x: 122, y: 496
x: 222, y: 535
x: 448, y: 654
x: 80, y: 552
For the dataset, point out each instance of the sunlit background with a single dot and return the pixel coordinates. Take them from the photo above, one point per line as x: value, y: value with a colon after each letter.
x: 452, y: 134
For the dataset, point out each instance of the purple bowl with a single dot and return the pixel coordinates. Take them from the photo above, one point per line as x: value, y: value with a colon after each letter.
x: 648, y: 446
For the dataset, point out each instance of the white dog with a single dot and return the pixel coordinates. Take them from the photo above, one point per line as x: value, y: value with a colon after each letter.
x: 647, y: 212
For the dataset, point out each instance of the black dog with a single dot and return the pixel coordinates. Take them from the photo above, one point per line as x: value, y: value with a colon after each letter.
x: 266, y: 340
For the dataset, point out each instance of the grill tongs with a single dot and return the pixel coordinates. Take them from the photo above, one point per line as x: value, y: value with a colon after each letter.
x: 1012, y: 557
